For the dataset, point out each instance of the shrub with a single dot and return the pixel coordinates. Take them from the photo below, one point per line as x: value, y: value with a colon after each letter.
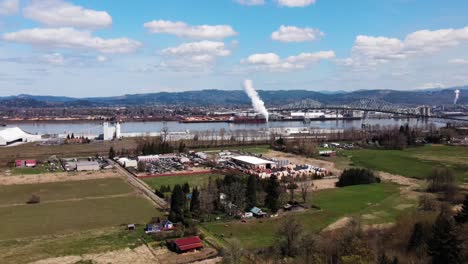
x: 440, y: 180
x: 427, y: 203
x: 34, y: 199
x: 356, y: 176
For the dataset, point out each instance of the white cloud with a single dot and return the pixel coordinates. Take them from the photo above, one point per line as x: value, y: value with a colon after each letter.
x: 458, y: 61
x: 53, y: 58
x: 295, y: 34
x: 101, y: 58
x: 296, y: 3
x: 272, y: 61
x: 250, y: 2
x: 59, y: 13
x: 305, y: 58
x: 202, y: 47
x: 71, y: 38
x: 432, y: 85
x: 184, y: 30
x: 263, y: 58
x: 194, y: 54
x: 9, y: 7
x: 368, y: 50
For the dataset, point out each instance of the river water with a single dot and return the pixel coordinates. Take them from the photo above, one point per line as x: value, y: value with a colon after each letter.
x: 146, y: 127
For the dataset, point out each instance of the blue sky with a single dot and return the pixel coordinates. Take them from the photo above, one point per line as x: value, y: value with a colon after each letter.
x: 115, y: 47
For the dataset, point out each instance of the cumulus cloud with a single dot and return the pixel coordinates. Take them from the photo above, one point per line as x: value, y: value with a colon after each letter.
x: 9, y: 7
x: 194, y: 54
x: 184, y: 30
x: 202, y: 47
x: 250, y: 2
x: 71, y: 38
x: 59, y: 13
x: 296, y: 3
x: 369, y: 50
x: 296, y: 34
x: 263, y: 58
x: 272, y: 61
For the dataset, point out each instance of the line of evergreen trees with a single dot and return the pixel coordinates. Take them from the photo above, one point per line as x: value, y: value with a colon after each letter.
x: 184, y: 206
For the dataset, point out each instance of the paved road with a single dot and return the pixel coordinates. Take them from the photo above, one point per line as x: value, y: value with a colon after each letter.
x: 141, y: 186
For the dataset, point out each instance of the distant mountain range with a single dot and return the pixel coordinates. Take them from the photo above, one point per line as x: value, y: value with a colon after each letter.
x: 239, y: 98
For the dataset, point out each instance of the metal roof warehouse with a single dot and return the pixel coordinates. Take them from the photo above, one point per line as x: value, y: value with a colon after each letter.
x: 254, y: 161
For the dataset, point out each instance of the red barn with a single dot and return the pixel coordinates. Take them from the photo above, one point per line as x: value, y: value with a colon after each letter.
x: 187, y: 244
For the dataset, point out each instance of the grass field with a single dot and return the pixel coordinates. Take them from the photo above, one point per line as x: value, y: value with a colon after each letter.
x: 92, y: 241
x: 192, y: 180
x: 378, y: 200
x: 415, y: 162
x: 70, y: 207
x: 51, y: 192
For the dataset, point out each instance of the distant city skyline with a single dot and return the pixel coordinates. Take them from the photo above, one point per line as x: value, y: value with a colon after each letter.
x: 107, y: 48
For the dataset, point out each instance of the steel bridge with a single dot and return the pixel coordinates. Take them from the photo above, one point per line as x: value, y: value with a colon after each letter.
x: 371, y: 105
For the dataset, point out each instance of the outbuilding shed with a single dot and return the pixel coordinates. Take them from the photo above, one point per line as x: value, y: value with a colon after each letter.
x: 187, y: 244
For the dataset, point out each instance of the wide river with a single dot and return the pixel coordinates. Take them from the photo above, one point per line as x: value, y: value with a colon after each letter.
x: 144, y: 127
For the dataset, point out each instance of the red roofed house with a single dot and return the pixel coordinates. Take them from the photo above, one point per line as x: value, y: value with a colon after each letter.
x: 25, y: 163
x: 30, y: 163
x: 187, y: 244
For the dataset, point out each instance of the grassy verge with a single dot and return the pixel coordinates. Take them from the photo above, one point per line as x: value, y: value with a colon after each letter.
x: 335, y: 203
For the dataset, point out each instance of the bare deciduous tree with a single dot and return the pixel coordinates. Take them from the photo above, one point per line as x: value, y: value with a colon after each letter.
x: 304, y: 186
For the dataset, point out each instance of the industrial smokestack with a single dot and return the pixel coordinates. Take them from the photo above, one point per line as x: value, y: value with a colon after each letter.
x: 457, y: 95
x: 257, y: 103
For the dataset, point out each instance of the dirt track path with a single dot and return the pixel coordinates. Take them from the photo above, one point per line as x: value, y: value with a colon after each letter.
x: 408, y: 186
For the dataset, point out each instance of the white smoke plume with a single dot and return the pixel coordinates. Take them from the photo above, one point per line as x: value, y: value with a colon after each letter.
x: 457, y: 95
x: 257, y: 103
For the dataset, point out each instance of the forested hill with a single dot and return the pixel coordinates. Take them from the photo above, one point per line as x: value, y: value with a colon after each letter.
x: 239, y: 98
